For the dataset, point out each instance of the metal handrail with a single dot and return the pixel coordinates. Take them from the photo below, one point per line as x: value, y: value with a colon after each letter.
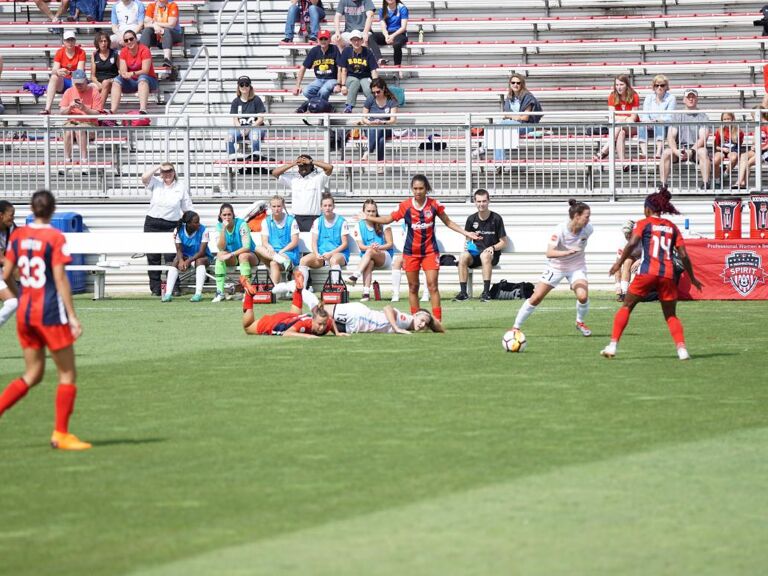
x: 242, y: 7
x: 205, y: 75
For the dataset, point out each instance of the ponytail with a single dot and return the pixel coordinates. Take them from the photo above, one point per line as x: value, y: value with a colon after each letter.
x: 660, y: 201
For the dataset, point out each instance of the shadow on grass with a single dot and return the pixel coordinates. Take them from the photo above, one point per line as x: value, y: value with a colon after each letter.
x: 126, y: 441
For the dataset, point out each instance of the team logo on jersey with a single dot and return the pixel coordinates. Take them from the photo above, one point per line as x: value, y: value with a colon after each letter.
x: 475, y: 225
x: 428, y: 214
x: 743, y: 271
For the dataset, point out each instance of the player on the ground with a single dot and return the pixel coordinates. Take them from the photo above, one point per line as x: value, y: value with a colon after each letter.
x: 566, y: 260
x: 292, y: 323
x: 9, y: 300
x: 46, y: 316
x: 658, y: 237
x: 420, y: 251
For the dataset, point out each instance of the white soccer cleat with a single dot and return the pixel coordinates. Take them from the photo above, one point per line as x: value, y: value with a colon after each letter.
x: 395, y: 298
x: 682, y: 353
x: 425, y: 296
x: 609, y: 351
x: 583, y: 328
x: 218, y: 298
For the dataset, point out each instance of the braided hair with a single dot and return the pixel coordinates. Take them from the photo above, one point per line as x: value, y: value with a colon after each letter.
x: 659, y: 201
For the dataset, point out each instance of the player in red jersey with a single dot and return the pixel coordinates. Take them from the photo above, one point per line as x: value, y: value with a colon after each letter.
x: 292, y: 323
x: 420, y: 250
x: 658, y: 237
x: 46, y: 316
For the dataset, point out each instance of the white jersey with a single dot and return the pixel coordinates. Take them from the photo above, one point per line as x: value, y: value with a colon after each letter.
x: 358, y: 318
x: 563, y: 239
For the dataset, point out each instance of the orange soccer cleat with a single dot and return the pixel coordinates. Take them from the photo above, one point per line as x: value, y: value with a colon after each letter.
x: 64, y: 441
x: 247, y: 286
x: 298, y: 278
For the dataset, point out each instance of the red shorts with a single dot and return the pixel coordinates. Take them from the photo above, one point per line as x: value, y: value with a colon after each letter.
x: 52, y: 337
x: 416, y: 263
x: 644, y: 284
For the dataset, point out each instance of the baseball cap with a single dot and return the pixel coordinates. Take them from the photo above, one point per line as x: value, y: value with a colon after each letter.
x: 68, y: 34
x: 691, y: 91
x: 324, y: 34
x: 355, y: 34
x: 78, y: 76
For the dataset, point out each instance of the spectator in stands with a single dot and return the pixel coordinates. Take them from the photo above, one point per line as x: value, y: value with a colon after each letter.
x: 192, y: 251
x: 330, y: 240
x: 376, y: 245
x: 750, y: 158
x: 728, y: 146
x: 623, y: 100
x: 137, y: 73
x: 42, y: 5
x: 104, y: 65
x: 279, y: 248
x: 485, y: 252
x: 687, y: 142
x: 307, y: 184
x: 358, y: 69
x: 358, y: 16
x: 313, y: 9
x: 247, y: 107
x: 169, y: 199
x: 162, y: 28
x: 82, y: 99
x: 394, y: 29
x: 657, y: 111
x: 236, y: 247
x: 381, y: 101
x: 68, y: 58
x: 127, y: 15
x: 10, y: 302
x: 324, y: 61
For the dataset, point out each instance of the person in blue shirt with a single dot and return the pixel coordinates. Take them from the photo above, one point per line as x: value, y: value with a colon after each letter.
x: 324, y: 61
x: 313, y: 8
x: 393, y: 17
x: 330, y: 239
x: 235, y: 247
x: 376, y: 246
x: 381, y: 101
x: 279, y: 248
x: 191, y: 252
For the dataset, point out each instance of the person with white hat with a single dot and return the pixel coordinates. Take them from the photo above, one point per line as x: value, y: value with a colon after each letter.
x: 688, y: 141
x: 358, y: 69
x: 68, y: 58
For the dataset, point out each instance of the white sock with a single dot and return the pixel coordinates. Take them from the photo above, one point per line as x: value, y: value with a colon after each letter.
x: 310, y: 300
x: 199, y: 279
x: 280, y: 288
x: 305, y: 271
x: 9, y: 307
x: 624, y: 286
x: 170, y: 281
x: 522, y: 315
x: 617, y: 285
x: 396, y: 277
x: 581, y: 310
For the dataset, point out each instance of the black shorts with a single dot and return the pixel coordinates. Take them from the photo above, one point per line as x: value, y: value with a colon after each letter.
x: 476, y: 263
x: 305, y: 222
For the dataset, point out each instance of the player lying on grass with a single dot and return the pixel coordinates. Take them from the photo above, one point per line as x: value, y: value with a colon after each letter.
x: 292, y: 323
x: 357, y: 318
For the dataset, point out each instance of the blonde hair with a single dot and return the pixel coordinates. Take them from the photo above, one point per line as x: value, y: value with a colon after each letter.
x: 658, y: 79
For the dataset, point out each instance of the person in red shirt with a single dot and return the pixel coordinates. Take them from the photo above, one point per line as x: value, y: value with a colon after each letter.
x: 759, y: 150
x: 658, y: 237
x: 623, y: 100
x: 420, y: 250
x: 729, y: 142
x: 137, y: 74
x: 68, y: 58
x: 46, y: 316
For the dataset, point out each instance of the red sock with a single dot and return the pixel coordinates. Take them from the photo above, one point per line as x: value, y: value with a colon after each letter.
x: 14, y: 392
x: 676, y: 329
x: 297, y: 301
x: 437, y: 312
x: 414, y: 309
x: 247, y: 301
x: 620, y: 322
x: 65, y: 403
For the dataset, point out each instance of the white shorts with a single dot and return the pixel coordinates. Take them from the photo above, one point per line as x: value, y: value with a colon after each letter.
x: 387, y: 261
x: 553, y: 277
x: 3, y: 285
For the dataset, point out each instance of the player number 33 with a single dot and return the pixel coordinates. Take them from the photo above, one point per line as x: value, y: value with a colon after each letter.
x: 32, y: 271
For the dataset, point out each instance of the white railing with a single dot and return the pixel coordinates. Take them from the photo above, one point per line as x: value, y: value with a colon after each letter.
x: 458, y: 152
x: 241, y: 7
x: 204, y: 75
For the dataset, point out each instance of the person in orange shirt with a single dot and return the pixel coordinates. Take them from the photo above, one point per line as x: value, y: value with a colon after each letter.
x: 81, y: 100
x: 69, y: 57
x: 162, y: 28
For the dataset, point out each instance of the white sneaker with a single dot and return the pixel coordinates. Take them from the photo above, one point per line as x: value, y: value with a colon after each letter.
x: 218, y: 298
x: 609, y: 351
x: 425, y: 296
x: 682, y: 353
x: 395, y: 298
x: 364, y: 157
x: 478, y: 153
x: 581, y: 327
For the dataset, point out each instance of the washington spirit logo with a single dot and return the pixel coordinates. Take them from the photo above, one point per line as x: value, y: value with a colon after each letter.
x: 743, y: 271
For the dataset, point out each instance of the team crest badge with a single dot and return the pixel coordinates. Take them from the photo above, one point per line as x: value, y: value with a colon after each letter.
x: 743, y: 271
x: 427, y: 213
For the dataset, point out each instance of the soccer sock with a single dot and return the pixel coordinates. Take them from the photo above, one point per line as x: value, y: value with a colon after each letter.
x: 581, y: 310
x: 437, y: 312
x: 618, y: 287
x: 9, y: 307
x: 414, y: 309
x: 245, y: 269
x: 14, y: 392
x: 305, y: 271
x: 486, y: 285
x: 396, y: 277
x: 309, y: 299
x: 220, y: 269
x: 522, y: 315
x: 298, y: 299
x: 463, y: 287
x: 624, y: 286
x: 170, y: 281
x: 199, y: 279
x: 247, y: 301
x: 620, y: 321
x: 676, y: 329
x: 65, y: 403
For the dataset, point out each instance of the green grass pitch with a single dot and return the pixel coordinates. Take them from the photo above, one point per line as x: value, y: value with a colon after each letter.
x: 217, y: 453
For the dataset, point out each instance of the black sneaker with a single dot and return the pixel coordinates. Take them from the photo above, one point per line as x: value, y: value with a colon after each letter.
x: 485, y: 297
x: 461, y: 297
x: 303, y: 108
x: 289, y: 40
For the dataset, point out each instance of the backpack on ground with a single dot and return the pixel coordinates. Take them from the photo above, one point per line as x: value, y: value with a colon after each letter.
x: 504, y: 290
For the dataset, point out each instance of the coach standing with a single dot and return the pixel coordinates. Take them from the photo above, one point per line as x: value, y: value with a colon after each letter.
x: 169, y: 199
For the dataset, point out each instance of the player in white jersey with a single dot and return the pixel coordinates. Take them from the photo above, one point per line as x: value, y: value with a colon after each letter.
x: 565, y: 252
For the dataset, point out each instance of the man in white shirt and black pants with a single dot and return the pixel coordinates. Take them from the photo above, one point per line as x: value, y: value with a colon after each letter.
x: 307, y: 185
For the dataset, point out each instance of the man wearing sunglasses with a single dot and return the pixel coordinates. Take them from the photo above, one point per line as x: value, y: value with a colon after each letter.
x: 324, y: 60
x: 137, y: 74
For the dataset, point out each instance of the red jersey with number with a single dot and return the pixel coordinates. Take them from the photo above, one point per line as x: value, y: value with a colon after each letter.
x: 276, y: 324
x: 658, y: 236
x: 420, y: 237
x: 35, y: 250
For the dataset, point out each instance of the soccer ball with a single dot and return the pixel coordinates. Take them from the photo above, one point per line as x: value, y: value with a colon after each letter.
x: 514, y: 341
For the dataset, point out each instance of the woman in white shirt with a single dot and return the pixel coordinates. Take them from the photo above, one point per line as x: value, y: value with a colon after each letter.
x: 169, y: 199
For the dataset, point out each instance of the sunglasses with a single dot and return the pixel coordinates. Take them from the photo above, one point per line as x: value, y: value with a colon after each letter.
x: 169, y: 171
x: 324, y: 38
x: 516, y: 83
x: 659, y: 85
x: 375, y: 91
x: 244, y: 84
x: 130, y: 39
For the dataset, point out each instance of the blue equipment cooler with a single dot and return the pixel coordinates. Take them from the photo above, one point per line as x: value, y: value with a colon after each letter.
x: 69, y: 222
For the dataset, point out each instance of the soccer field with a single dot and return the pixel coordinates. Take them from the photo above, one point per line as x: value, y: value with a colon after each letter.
x: 217, y: 453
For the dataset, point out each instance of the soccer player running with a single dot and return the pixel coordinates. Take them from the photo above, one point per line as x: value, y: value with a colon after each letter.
x: 566, y: 260
x: 46, y: 316
x: 658, y: 237
x: 420, y: 250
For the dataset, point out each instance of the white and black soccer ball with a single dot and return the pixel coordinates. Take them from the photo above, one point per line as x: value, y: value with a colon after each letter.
x: 514, y: 341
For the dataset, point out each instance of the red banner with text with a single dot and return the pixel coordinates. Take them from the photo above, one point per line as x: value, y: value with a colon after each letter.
x: 729, y: 270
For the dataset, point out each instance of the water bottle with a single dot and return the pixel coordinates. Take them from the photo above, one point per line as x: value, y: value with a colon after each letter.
x: 687, y: 228
x: 376, y: 291
x: 421, y: 34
